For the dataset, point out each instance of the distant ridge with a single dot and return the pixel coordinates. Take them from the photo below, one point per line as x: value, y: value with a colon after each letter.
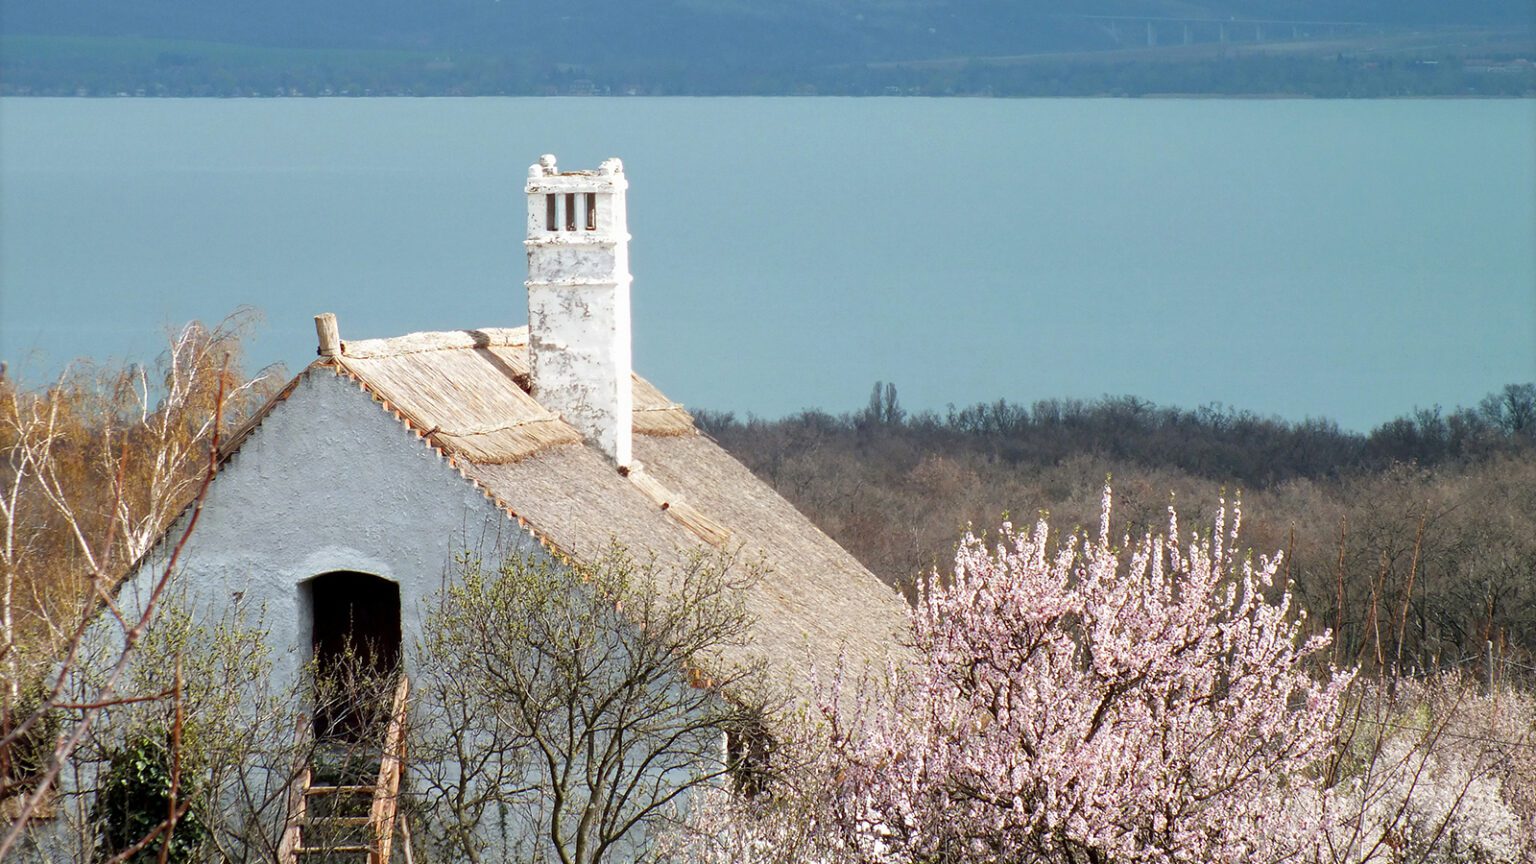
x: 225, y: 47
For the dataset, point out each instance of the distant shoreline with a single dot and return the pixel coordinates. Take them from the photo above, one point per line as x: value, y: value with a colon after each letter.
x: 1402, y: 66
x: 1169, y: 97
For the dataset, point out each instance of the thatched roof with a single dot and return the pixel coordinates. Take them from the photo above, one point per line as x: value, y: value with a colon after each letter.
x: 469, y: 390
x: 466, y: 393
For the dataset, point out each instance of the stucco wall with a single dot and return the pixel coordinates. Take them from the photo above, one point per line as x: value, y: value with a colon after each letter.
x: 330, y: 481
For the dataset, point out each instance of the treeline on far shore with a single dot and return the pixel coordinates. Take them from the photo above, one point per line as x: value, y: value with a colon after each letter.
x: 120, y: 66
x: 1416, y: 541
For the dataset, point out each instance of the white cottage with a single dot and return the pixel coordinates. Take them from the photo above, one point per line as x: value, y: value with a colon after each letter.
x: 339, y: 507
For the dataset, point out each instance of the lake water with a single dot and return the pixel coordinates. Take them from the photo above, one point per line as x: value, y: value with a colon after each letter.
x: 1302, y: 258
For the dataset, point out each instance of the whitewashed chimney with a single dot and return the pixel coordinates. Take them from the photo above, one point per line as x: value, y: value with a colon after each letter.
x: 578, y: 300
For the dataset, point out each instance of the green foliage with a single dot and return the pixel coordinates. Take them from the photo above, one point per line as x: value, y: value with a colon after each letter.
x: 135, y: 801
x: 223, y: 668
x: 22, y: 759
x: 233, y: 756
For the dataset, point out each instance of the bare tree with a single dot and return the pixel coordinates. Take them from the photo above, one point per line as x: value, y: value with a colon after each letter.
x: 567, y: 712
x: 95, y: 468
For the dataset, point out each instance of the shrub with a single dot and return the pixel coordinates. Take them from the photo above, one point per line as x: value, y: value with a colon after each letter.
x: 135, y: 802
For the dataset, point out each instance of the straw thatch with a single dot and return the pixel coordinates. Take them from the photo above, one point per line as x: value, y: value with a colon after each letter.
x: 814, y: 603
x: 655, y: 414
x: 702, y: 526
x: 817, y: 600
x: 464, y: 393
x: 467, y: 392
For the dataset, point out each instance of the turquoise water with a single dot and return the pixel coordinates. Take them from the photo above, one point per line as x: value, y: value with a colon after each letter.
x: 1303, y: 258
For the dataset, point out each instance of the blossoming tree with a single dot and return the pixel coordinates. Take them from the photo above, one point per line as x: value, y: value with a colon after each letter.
x: 1091, y: 702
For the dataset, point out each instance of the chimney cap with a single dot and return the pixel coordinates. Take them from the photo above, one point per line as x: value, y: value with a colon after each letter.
x: 545, y: 167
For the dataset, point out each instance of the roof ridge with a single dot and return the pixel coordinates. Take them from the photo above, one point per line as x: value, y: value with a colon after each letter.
x: 435, y: 340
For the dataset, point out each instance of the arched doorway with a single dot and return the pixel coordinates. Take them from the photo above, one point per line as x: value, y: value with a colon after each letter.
x: 355, y: 627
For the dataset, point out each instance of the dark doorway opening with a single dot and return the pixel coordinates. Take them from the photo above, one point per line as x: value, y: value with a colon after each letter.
x: 356, y: 618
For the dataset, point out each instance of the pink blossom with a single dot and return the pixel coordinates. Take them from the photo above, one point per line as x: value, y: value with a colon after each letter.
x: 1088, y: 701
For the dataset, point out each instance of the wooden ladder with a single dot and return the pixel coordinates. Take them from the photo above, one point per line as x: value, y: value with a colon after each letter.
x: 337, y: 823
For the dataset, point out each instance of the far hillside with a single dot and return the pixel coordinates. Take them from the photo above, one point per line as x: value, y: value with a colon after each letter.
x: 349, y: 47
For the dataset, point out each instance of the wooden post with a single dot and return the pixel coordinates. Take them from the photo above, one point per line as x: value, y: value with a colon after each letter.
x: 298, y: 784
x: 386, y: 792
x: 329, y: 333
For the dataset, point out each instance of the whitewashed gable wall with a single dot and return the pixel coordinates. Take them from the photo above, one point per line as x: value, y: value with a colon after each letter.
x: 330, y: 481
